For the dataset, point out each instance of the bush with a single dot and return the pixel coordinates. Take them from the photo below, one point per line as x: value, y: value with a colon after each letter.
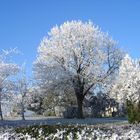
x: 74, y: 132
x: 138, y: 112
x: 133, y: 112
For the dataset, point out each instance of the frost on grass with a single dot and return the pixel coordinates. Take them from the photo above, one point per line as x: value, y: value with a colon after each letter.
x: 70, y: 132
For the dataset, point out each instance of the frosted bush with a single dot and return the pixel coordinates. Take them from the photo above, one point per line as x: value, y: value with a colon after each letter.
x: 122, y: 132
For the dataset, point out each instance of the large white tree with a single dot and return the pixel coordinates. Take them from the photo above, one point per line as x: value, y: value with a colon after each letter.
x: 7, y: 69
x: 76, y: 56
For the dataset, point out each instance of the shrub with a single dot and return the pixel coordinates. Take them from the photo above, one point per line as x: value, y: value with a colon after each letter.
x: 133, y: 111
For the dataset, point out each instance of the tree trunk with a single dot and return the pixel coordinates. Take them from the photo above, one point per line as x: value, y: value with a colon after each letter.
x: 23, y: 117
x: 1, y: 112
x: 22, y: 111
x: 79, y: 89
x: 0, y: 105
x: 80, y: 107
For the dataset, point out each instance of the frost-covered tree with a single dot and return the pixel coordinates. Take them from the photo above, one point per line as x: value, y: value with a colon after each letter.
x: 7, y: 69
x: 76, y: 56
x: 22, y: 91
x: 127, y: 84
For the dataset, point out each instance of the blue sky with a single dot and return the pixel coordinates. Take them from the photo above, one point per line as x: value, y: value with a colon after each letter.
x: 23, y: 23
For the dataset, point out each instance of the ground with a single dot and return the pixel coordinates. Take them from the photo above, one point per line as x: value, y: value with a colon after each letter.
x: 69, y: 129
x: 55, y: 121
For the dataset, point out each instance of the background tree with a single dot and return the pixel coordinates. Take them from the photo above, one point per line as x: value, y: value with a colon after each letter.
x: 126, y: 85
x: 22, y: 91
x: 7, y: 70
x: 126, y: 88
x: 76, y: 56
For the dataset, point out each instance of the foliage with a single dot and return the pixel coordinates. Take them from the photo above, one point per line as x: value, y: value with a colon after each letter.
x: 133, y: 111
x: 44, y: 131
x: 52, y: 100
x: 73, y: 132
